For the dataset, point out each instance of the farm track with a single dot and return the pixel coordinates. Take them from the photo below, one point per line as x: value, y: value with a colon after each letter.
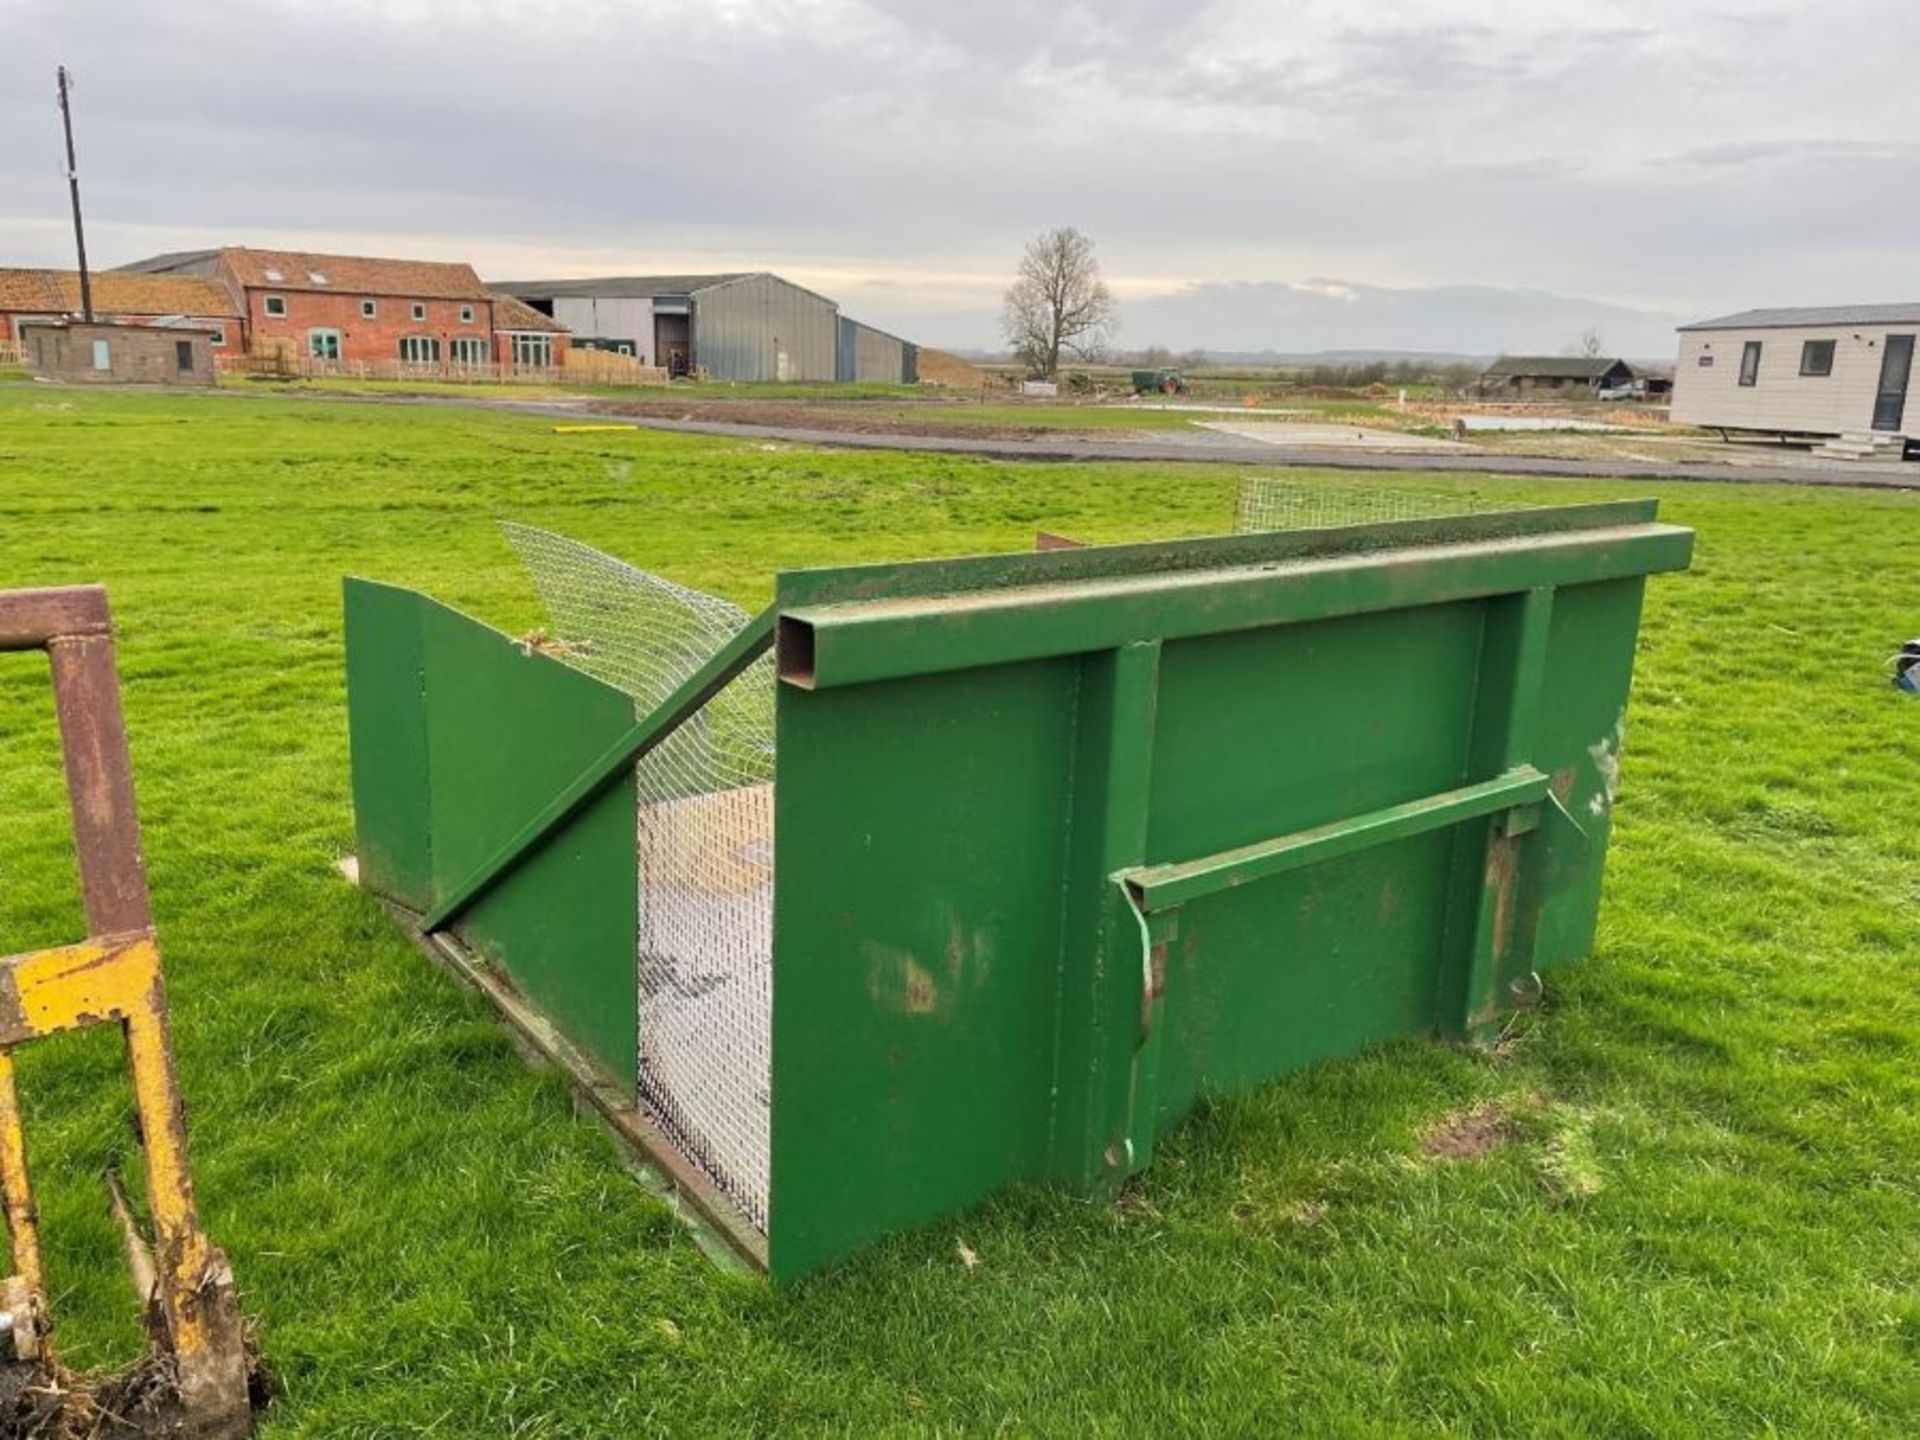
x: 1055, y: 446
x: 846, y: 427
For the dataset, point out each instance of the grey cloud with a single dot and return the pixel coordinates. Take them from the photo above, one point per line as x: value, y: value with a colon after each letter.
x: 937, y: 135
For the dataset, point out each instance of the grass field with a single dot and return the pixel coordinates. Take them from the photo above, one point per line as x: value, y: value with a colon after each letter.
x: 1702, y: 1215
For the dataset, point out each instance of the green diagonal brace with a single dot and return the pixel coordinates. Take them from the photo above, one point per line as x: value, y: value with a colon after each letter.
x: 709, y: 680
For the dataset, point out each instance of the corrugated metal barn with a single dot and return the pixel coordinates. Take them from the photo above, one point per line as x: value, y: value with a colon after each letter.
x: 871, y: 355
x: 747, y: 325
x: 740, y: 326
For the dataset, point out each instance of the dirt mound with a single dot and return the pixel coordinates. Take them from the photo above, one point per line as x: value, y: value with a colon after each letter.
x: 939, y: 368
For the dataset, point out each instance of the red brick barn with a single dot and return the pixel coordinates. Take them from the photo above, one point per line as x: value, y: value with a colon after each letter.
x: 524, y: 339
x: 428, y: 315
x: 122, y: 299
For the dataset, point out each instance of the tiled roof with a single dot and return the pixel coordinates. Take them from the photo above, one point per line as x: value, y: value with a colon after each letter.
x: 512, y: 314
x: 354, y: 274
x: 115, y: 292
x: 1803, y: 315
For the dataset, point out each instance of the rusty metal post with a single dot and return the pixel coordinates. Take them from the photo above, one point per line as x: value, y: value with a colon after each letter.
x: 115, y: 976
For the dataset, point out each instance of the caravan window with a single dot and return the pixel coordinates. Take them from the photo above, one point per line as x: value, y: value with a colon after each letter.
x: 1816, y: 357
x: 1750, y: 363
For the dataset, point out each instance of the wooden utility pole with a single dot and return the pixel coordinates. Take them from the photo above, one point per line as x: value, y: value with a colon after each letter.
x: 73, y: 188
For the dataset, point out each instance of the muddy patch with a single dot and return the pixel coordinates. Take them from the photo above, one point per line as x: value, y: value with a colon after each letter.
x: 1472, y: 1133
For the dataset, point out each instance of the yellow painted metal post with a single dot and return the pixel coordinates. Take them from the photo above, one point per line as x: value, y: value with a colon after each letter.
x: 23, y: 1221
x: 196, y: 1283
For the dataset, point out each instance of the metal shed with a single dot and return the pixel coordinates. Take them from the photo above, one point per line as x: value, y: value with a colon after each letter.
x: 734, y: 326
x: 873, y: 356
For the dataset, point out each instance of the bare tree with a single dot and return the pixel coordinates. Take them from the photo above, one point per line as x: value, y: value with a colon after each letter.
x: 1591, y: 345
x: 1058, y: 304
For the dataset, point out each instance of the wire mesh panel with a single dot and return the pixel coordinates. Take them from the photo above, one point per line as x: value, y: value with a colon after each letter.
x: 705, y: 845
x: 1270, y: 503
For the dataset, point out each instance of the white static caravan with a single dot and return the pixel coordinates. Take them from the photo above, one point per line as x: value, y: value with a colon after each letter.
x: 1844, y: 370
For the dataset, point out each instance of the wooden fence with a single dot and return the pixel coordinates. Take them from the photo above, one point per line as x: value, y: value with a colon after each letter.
x: 12, y: 353
x: 582, y: 367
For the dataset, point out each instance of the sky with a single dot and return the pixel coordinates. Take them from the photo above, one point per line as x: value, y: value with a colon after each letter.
x: 1256, y: 175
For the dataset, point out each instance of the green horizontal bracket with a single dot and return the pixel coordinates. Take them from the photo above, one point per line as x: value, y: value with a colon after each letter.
x: 1162, y: 887
x: 709, y: 680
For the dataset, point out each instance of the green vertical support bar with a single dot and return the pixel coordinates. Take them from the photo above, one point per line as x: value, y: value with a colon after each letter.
x: 1103, y: 1015
x: 1488, y: 856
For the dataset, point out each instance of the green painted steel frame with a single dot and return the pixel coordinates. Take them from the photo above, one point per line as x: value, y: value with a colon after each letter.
x: 1064, y: 840
x: 1025, y: 959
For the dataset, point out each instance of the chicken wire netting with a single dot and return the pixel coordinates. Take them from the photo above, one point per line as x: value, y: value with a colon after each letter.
x: 705, y: 820
x: 1270, y: 503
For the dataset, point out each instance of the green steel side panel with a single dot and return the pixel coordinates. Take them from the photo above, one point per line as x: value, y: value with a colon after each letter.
x: 1268, y: 732
x: 387, y: 738
x: 1307, y: 966
x: 919, y: 850
x: 1262, y: 732
x: 505, y: 731
x: 1582, y: 730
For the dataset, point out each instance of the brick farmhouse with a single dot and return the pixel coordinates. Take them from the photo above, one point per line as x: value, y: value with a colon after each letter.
x: 360, y: 309
x: 122, y: 299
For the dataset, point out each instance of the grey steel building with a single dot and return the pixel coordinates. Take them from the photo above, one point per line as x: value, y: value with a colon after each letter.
x: 739, y: 326
x: 870, y: 354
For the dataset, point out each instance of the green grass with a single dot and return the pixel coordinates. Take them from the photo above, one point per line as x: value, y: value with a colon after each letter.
x: 1704, y: 1220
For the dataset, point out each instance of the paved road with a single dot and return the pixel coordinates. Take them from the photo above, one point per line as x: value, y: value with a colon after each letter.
x: 1230, y: 452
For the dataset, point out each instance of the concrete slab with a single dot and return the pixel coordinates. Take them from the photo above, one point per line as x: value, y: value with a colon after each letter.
x: 1334, y: 437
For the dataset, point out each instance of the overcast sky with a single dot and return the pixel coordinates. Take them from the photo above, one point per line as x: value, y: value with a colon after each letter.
x: 1672, y: 159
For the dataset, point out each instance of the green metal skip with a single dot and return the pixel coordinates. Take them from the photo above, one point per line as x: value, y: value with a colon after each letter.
x: 1062, y: 842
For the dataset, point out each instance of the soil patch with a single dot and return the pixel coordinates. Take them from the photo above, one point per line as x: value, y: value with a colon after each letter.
x: 1472, y: 1133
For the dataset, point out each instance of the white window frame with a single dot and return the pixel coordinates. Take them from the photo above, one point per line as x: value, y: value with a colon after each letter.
x: 469, y: 350
x: 329, y: 332
x: 218, y: 336
x: 369, y: 310
x: 268, y: 303
x: 419, y: 311
x: 466, y: 314
x: 102, y: 355
x: 428, y: 347
x: 533, y: 350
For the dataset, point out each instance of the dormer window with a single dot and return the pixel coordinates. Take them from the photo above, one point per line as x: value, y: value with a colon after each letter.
x: 274, y: 277
x: 318, y: 277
